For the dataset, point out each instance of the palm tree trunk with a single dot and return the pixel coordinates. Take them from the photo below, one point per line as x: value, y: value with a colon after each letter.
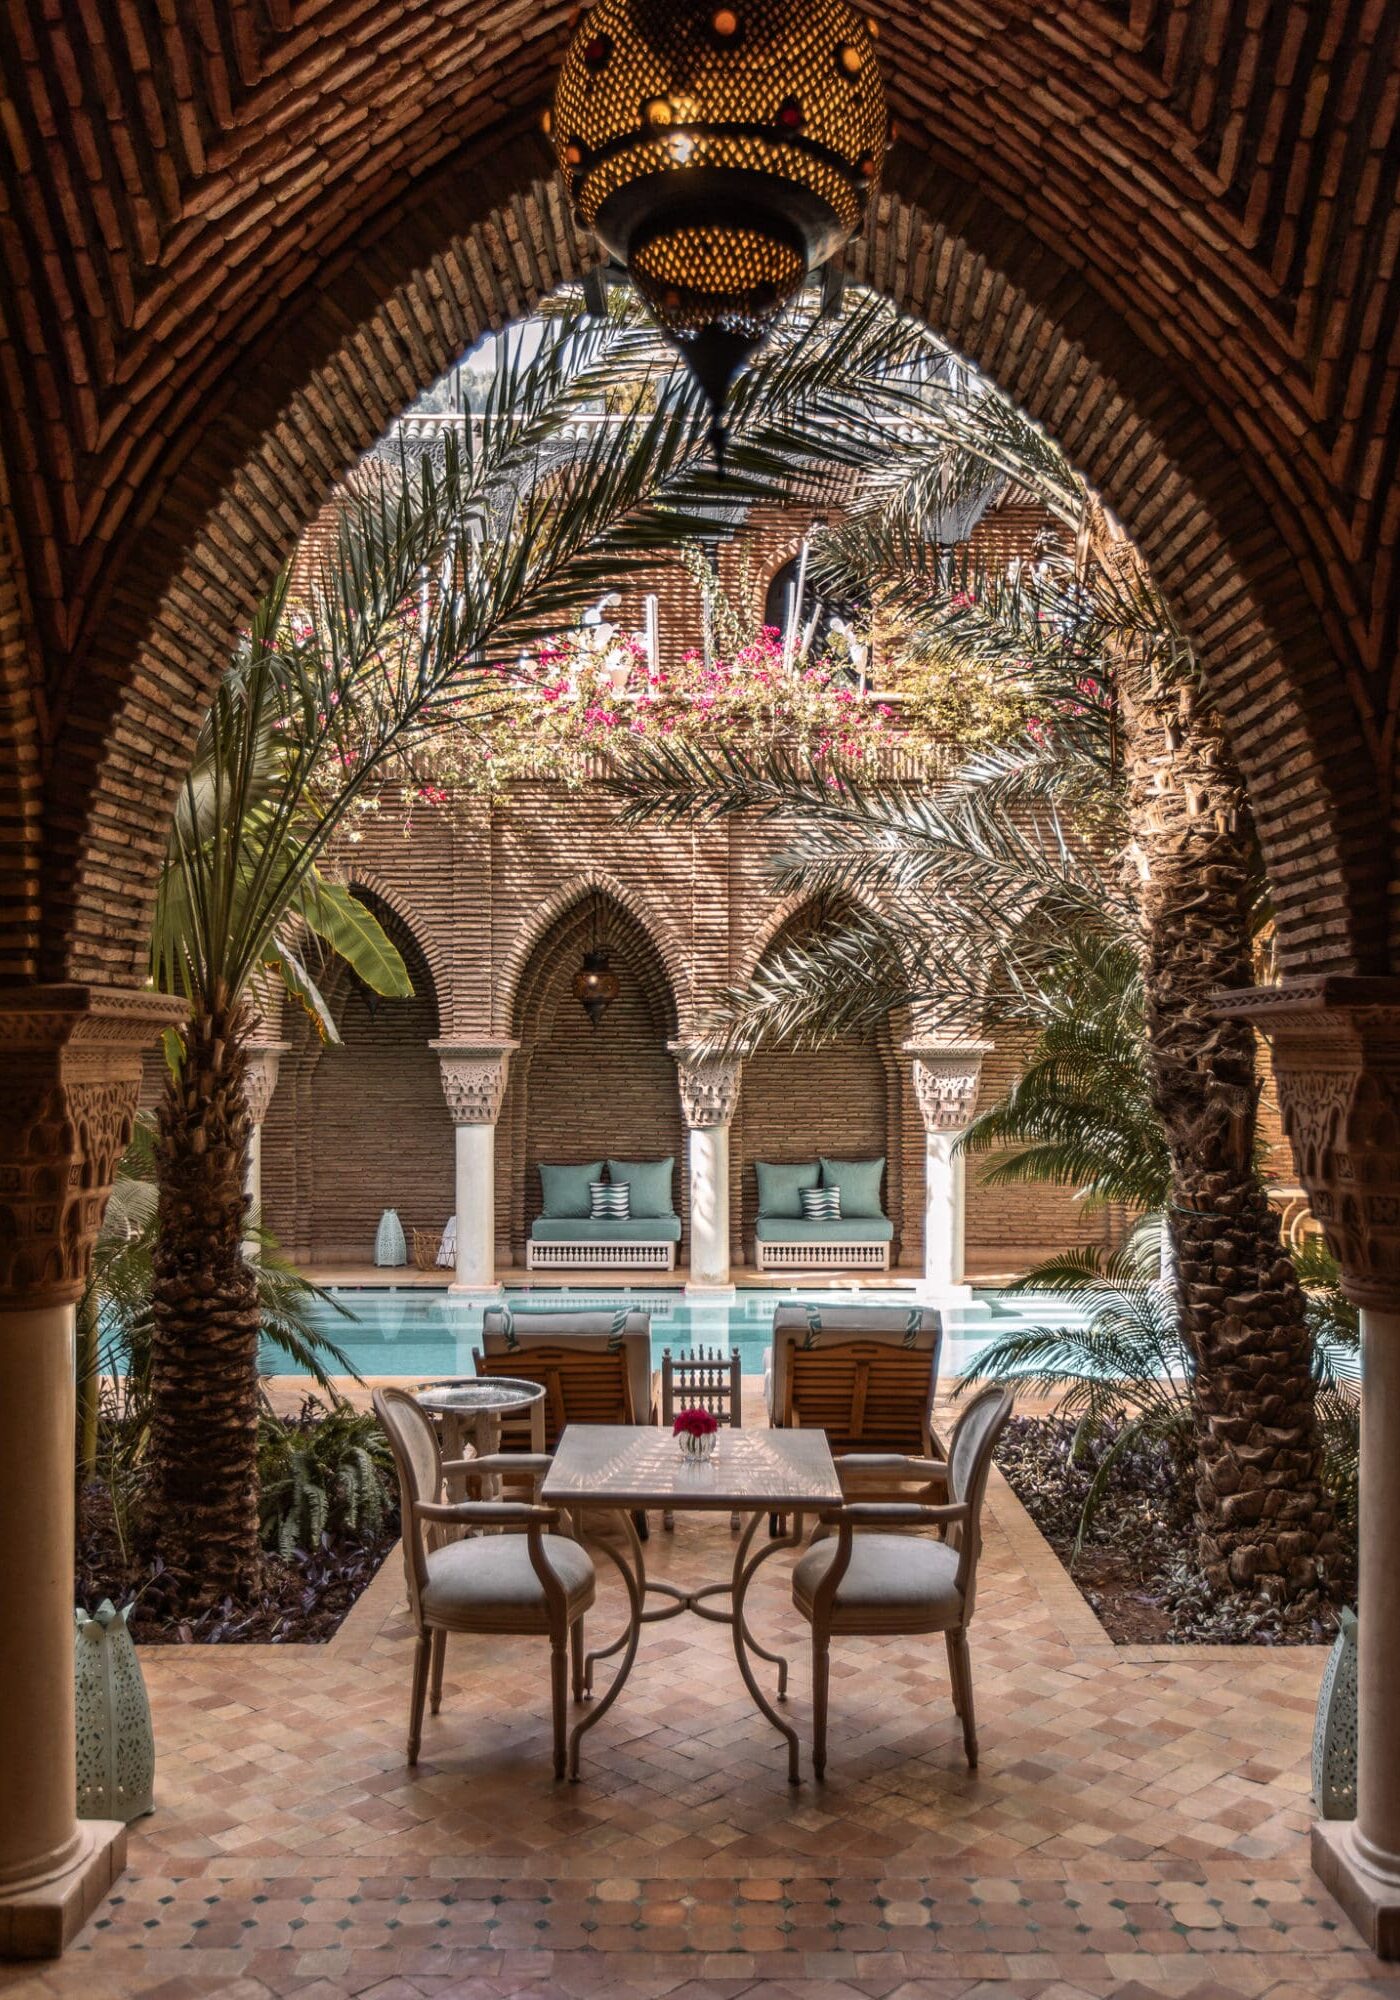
x: 202, y: 1509
x: 1264, y: 1515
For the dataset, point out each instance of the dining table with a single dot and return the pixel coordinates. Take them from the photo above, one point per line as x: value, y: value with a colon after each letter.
x: 618, y: 1470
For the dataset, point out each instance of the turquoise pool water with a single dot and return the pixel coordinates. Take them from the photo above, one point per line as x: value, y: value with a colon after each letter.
x: 422, y: 1333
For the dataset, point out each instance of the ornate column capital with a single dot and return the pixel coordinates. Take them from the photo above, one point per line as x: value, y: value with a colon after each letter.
x: 474, y: 1079
x: 71, y: 1060
x: 264, y: 1060
x: 1335, y: 1043
x: 709, y: 1085
x: 945, y: 1081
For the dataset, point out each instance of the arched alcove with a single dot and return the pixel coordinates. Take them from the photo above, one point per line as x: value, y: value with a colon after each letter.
x: 361, y: 1126
x: 578, y: 1092
x: 846, y: 1099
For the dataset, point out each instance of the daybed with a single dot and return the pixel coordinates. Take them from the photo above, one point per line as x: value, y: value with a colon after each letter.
x: 569, y: 1235
x: 857, y: 1238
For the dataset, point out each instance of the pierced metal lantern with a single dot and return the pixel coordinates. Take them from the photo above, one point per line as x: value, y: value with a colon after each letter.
x: 721, y: 152
x: 1334, y: 1734
x: 116, y: 1749
x: 596, y: 985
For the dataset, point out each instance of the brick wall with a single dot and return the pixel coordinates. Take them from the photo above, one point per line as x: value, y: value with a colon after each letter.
x: 355, y: 1129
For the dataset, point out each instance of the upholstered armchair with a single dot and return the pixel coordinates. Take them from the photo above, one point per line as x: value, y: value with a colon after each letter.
x: 863, y: 1576
x: 525, y: 1581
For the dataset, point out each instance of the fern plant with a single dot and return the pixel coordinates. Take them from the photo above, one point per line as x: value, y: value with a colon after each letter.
x: 323, y: 1472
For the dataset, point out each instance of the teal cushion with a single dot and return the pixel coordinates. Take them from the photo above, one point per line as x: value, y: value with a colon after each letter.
x: 566, y: 1188
x: 859, y: 1182
x: 780, y: 1186
x: 867, y: 1229
x: 597, y: 1229
x: 648, y: 1184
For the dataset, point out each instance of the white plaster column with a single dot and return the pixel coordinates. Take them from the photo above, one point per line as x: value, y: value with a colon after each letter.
x: 709, y: 1087
x: 474, y: 1084
x: 945, y: 1083
x: 260, y: 1080
x: 71, y: 1060
x: 1336, y: 1057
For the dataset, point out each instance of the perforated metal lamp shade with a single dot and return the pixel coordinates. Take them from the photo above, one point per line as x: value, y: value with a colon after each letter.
x: 720, y: 152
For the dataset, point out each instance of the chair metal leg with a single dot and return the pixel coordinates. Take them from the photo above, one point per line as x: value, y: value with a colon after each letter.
x: 576, y: 1650
x: 421, y: 1660
x: 668, y: 1522
x: 439, y: 1655
x: 643, y: 1527
x: 951, y: 1644
x: 958, y: 1645
x: 821, y: 1688
x: 559, y: 1696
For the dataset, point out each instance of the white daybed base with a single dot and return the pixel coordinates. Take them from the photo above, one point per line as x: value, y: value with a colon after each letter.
x: 822, y: 1256
x: 600, y: 1256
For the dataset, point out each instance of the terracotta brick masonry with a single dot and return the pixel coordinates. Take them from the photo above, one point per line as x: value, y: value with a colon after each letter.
x: 1137, y: 1827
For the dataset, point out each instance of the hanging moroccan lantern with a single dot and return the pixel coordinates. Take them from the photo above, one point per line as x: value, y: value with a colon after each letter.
x: 720, y: 152
x: 595, y: 985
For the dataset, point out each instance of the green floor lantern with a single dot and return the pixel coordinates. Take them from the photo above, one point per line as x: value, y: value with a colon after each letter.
x: 116, y: 1746
x: 1334, y: 1736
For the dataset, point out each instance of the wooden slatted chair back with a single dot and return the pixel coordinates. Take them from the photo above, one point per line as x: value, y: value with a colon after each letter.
x: 865, y: 1394
x: 582, y: 1385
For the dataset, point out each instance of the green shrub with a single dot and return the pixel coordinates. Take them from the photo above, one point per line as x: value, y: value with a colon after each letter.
x: 323, y: 1472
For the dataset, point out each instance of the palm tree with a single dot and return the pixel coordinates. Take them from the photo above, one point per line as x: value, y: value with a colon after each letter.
x: 324, y: 695
x: 979, y: 885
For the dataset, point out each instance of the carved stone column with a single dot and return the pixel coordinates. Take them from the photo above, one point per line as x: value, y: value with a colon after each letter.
x: 474, y: 1084
x: 1336, y: 1053
x: 70, y: 1073
x: 946, y: 1075
x: 709, y: 1098
x: 264, y: 1061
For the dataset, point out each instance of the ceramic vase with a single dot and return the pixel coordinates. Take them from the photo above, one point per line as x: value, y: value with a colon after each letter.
x: 389, y: 1245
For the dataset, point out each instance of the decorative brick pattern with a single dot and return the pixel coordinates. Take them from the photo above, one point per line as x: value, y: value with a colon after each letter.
x: 237, y: 244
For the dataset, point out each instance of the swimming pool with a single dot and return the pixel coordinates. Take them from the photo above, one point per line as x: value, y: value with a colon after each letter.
x: 415, y: 1332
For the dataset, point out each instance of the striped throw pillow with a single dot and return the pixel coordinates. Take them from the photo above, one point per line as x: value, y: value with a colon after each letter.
x: 821, y: 1204
x: 609, y: 1201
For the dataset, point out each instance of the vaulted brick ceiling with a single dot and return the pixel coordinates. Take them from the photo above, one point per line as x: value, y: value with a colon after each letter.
x: 1178, y: 211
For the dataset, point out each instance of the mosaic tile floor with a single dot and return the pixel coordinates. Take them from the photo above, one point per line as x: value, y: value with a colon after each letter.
x: 1137, y: 1827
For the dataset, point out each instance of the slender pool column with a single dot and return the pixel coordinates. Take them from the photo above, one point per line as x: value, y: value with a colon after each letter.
x: 1336, y: 1053
x: 709, y: 1098
x: 260, y: 1080
x: 71, y: 1060
x: 945, y: 1083
x: 474, y: 1084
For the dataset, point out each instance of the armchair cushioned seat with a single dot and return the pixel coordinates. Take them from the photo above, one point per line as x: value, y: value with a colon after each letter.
x: 850, y: 1229
x: 606, y: 1229
x: 888, y: 1574
x: 492, y: 1575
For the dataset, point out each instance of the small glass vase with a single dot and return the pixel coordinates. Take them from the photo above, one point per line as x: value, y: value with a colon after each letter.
x: 696, y: 1449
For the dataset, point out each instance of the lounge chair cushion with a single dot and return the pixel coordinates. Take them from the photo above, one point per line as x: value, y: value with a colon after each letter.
x: 850, y: 1229
x: 859, y: 1182
x: 780, y: 1186
x: 888, y: 1575
x: 493, y: 1575
x: 598, y: 1229
x: 566, y: 1188
x: 649, y: 1184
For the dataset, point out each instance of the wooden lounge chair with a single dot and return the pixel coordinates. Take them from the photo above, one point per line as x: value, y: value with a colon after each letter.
x: 866, y: 1375
x: 595, y: 1368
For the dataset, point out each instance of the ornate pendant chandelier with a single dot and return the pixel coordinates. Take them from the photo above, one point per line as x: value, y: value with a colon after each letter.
x: 721, y: 152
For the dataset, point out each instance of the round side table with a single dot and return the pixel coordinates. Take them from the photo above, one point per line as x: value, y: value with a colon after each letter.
x: 478, y: 1403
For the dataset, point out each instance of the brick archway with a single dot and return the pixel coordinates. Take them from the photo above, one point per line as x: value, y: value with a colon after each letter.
x: 1133, y: 275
